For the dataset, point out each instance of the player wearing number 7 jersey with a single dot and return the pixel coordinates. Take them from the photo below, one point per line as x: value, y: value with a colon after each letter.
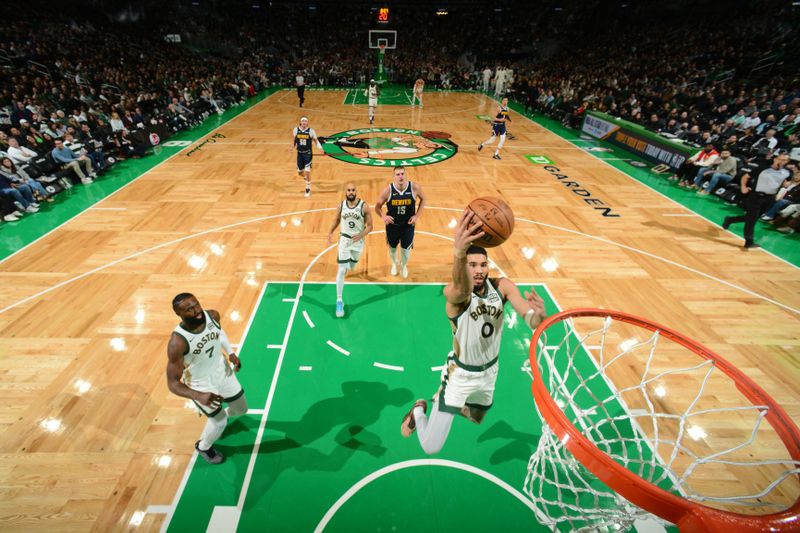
x: 199, y: 370
x: 356, y: 223
x: 404, y: 204
x: 475, y: 306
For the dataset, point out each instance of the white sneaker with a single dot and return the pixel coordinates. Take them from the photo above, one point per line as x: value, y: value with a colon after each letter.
x: 394, y: 269
x: 93, y: 175
x: 31, y: 209
x: 10, y: 217
x: 86, y: 181
x: 307, y: 193
x: 339, y: 309
x: 404, y: 272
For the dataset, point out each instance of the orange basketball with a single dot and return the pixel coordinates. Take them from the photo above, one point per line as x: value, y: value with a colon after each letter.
x: 497, y: 218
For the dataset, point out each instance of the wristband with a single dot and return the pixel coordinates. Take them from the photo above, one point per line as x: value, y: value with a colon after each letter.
x: 528, y: 318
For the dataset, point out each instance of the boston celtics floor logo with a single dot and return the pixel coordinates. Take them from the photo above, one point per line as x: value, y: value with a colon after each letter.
x: 390, y: 147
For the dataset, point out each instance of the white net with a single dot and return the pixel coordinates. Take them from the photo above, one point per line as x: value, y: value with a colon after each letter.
x: 662, y: 412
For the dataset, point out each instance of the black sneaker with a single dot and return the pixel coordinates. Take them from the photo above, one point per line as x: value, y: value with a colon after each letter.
x: 211, y: 455
x: 480, y: 147
x: 496, y: 156
x: 726, y: 223
x: 751, y: 245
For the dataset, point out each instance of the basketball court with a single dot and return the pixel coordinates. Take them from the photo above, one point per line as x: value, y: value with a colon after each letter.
x: 93, y: 440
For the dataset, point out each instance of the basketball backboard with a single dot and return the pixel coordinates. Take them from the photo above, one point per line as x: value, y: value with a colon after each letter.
x: 387, y: 38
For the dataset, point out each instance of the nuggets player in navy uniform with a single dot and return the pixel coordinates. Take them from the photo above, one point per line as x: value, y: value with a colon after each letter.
x: 301, y: 140
x: 404, y: 204
x: 501, y: 117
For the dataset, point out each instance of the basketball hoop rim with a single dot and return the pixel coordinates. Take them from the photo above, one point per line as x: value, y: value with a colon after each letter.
x: 689, y: 516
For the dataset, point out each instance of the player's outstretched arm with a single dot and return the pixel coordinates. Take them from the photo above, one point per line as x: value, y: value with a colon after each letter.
x: 336, y: 220
x: 367, y: 225
x: 458, y: 290
x: 530, y: 307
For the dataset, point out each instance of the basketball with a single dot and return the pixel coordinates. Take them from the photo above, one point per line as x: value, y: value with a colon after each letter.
x: 497, y: 218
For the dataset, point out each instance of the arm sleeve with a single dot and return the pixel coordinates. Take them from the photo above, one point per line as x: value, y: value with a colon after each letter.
x: 226, y: 344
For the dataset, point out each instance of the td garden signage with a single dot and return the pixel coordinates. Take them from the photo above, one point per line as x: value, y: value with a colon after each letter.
x: 390, y: 147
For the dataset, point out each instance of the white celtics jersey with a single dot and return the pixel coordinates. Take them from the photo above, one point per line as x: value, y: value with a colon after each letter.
x: 203, y: 362
x: 478, y: 329
x: 352, y: 219
x: 372, y: 94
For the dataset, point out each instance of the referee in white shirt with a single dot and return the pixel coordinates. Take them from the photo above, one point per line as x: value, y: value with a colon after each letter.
x: 757, y: 200
x: 300, y: 83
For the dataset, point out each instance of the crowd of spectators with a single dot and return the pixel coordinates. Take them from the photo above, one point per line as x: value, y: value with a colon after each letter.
x: 98, y: 85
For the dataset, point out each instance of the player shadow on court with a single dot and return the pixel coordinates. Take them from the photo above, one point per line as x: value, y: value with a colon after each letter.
x: 352, y: 307
x: 304, y: 446
x: 519, y: 447
x: 709, y: 234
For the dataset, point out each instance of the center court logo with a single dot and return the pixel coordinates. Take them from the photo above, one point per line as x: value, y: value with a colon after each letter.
x: 390, y: 147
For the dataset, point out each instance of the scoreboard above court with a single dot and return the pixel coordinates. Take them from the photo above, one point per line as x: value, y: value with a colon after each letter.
x: 382, y: 16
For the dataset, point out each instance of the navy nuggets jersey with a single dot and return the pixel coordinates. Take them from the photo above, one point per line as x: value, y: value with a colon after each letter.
x: 502, y: 114
x: 401, y: 205
x: 302, y: 140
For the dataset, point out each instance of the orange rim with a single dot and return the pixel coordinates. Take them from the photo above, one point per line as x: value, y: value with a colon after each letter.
x: 687, y: 515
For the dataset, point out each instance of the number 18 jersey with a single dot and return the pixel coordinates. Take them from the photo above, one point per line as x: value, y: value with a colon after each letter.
x: 477, y: 331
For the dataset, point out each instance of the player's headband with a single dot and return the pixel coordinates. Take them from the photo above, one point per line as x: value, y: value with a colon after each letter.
x: 301, y: 118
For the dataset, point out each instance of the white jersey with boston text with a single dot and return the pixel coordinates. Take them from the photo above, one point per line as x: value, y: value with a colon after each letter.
x: 477, y: 331
x: 204, y: 362
x: 372, y: 95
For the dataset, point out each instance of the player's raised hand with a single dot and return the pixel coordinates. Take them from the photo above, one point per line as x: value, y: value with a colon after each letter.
x: 537, y: 304
x: 466, y: 231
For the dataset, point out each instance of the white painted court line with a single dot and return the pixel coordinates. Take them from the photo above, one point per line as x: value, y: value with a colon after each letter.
x: 137, y: 178
x: 274, y: 346
x: 437, y: 368
x: 308, y: 319
x: 255, y: 411
x: 388, y: 367
x: 289, y: 300
x: 270, y: 396
x: 337, y: 348
x: 222, y: 517
x: 158, y: 509
x: 178, y: 493
x: 305, y: 369
x: 415, y: 463
x: 152, y: 249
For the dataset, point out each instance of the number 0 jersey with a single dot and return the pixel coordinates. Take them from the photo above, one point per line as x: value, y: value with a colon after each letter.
x: 478, y: 329
x: 203, y: 362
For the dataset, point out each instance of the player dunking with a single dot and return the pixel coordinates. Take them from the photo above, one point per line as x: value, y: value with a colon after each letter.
x: 501, y: 116
x: 474, y: 305
x: 198, y: 370
x: 301, y: 139
x: 372, y: 93
x: 404, y: 203
x: 355, y: 222
x: 419, y: 86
